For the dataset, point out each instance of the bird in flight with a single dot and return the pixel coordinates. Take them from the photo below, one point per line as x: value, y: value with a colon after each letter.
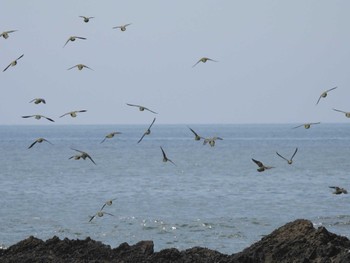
x: 73, y: 113
x: 211, y: 140
x: 338, y: 190
x: 80, y: 67
x: 82, y: 155
x: 347, y: 113
x: 5, y: 34
x: 99, y: 214
x: 86, y: 18
x: 204, y: 60
x: 324, y: 94
x: 73, y: 38
x: 262, y: 167
x: 141, y: 108
x: 38, y: 117
x: 122, y: 27
x: 109, y: 203
x: 306, y: 125
x: 290, y: 161
x: 196, y: 136
x: 110, y: 135
x: 147, y: 132
x: 165, y: 158
x: 39, y: 140
x: 38, y: 101
x: 13, y: 63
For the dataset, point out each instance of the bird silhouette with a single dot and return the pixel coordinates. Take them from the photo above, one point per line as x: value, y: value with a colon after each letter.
x: 290, y: 161
x: 147, y: 132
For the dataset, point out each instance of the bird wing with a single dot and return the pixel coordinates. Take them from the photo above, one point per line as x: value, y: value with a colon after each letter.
x: 81, y: 38
x: 20, y: 57
x: 282, y: 156
x: 312, y: 123
x: 319, y: 99
x: 164, y: 155
x: 48, y: 118
x: 331, y: 89
x: 81, y: 111
x: 212, y: 60
x: 141, y: 138
x: 92, y: 217
x: 296, y: 149
x: 152, y: 123
x: 7, y: 67
x: 103, y: 139
x: 29, y: 116
x: 133, y: 105
x: 78, y: 150
x: 32, y: 144
x: 340, y: 110
x: 66, y: 42
x: 87, y: 67
x: 260, y: 164
x: 196, y: 63
x: 150, y: 110
x: 65, y: 114
x: 72, y: 67
x: 48, y: 141
x: 88, y: 156
x: 194, y: 132
x: 298, y: 126
x: 172, y: 162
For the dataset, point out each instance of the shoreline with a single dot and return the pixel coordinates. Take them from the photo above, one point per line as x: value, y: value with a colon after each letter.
x: 296, y: 241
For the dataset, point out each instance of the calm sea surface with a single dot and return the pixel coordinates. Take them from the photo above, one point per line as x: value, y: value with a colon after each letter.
x: 213, y: 197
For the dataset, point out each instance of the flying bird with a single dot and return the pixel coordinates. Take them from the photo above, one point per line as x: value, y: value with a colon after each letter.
x: 110, y: 135
x: 5, y: 34
x: 109, y: 203
x: 306, y: 125
x: 99, y: 214
x: 82, y: 155
x: 204, y: 60
x: 38, y: 101
x: 148, y: 131
x: 211, y: 140
x: 122, y: 27
x: 73, y: 113
x: 39, y: 140
x: 38, y: 117
x: 165, y: 158
x: 324, y: 94
x: 141, y: 108
x: 13, y: 63
x: 262, y: 167
x: 80, y: 67
x: 290, y: 161
x: 196, y: 136
x: 73, y: 38
x: 86, y: 18
x: 347, y: 113
x: 338, y: 190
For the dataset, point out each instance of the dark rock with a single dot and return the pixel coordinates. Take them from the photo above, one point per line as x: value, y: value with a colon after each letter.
x: 297, y: 241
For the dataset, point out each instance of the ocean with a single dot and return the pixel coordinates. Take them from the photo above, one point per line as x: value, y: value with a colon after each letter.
x: 213, y: 197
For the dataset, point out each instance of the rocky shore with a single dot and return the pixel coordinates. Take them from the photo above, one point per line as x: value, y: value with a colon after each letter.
x: 297, y: 241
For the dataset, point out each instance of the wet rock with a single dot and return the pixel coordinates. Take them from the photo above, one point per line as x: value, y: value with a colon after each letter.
x: 297, y: 241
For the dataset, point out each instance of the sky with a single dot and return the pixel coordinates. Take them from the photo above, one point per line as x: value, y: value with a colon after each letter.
x: 275, y: 58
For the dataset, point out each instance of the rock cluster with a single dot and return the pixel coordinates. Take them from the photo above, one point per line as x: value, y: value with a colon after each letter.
x: 297, y: 241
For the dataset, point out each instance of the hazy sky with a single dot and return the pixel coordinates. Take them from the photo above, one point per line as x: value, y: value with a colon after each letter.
x: 275, y: 59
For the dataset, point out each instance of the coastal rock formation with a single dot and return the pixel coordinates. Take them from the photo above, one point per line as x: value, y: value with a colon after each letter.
x: 297, y: 241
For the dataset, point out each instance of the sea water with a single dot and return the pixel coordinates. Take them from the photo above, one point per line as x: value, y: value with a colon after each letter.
x: 214, y: 197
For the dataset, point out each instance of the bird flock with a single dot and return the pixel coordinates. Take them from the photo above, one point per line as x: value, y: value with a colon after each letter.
x: 211, y: 141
